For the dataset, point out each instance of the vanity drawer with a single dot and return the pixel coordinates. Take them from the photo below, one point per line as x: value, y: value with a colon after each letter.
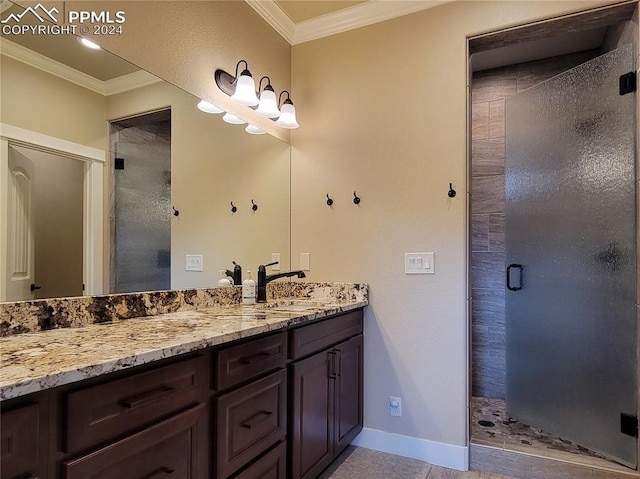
x: 273, y: 465
x: 164, y: 450
x: 106, y: 411
x: 236, y: 364
x: 315, y: 337
x: 249, y: 420
x: 20, y: 440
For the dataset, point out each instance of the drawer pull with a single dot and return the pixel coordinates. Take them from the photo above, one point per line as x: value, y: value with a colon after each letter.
x: 165, y: 471
x: 332, y: 365
x: 147, y: 398
x: 257, y: 419
x: 256, y: 357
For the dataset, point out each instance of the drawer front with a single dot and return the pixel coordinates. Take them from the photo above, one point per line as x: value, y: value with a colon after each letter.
x: 249, y: 420
x: 236, y: 364
x: 273, y: 465
x: 107, y: 411
x: 20, y: 439
x: 316, y: 337
x: 165, y: 450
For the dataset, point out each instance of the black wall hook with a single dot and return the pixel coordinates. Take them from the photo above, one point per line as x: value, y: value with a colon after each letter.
x: 175, y: 211
x: 254, y: 207
x: 329, y: 200
x: 452, y: 192
x: 356, y: 199
x: 234, y: 208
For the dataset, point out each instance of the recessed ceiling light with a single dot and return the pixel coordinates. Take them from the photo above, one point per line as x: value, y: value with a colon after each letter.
x: 89, y: 43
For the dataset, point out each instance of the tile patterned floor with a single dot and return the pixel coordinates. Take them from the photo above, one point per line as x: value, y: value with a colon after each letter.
x: 513, y: 434
x: 361, y: 463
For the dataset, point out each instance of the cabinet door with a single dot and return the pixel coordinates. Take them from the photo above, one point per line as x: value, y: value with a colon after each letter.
x: 166, y: 450
x: 20, y: 442
x: 312, y: 414
x: 348, y: 394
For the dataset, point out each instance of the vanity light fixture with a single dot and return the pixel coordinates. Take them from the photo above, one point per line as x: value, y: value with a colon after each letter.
x: 268, y: 106
x: 89, y: 43
x: 287, y: 117
x: 234, y: 120
x: 208, y: 107
x: 241, y: 88
x: 254, y: 130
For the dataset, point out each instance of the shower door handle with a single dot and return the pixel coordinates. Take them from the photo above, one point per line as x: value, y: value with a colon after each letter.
x: 519, y: 277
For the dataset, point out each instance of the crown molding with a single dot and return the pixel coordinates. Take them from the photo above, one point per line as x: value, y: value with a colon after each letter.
x: 46, y: 64
x: 110, y: 87
x: 274, y: 16
x: 129, y: 82
x: 361, y: 15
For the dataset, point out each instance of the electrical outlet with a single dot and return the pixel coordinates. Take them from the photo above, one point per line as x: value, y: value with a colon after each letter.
x: 395, y: 406
x: 194, y: 262
x: 304, y: 261
x: 275, y: 257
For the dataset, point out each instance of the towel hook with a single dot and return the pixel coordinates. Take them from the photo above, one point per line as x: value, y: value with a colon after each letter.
x: 452, y: 192
x: 329, y: 200
x: 356, y: 199
x: 254, y: 207
x: 234, y: 208
x: 175, y: 211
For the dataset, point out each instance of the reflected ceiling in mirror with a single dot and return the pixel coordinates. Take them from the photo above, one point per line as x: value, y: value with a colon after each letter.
x: 54, y: 86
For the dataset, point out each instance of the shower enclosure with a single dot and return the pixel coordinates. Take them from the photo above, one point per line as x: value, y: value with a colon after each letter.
x: 571, y: 337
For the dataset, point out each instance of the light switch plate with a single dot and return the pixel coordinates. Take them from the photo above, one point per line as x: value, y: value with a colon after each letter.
x: 275, y: 257
x: 194, y: 262
x: 304, y: 261
x: 419, y: 263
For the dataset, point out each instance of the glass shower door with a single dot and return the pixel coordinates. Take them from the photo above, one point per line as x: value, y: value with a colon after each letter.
x: 571, y: 256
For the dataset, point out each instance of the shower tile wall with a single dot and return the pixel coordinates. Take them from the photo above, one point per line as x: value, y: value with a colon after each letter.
x: 489, y: 90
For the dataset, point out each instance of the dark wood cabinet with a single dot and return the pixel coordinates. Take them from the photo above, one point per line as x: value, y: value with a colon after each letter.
x: 22, y: 440
x: 326, y: 396
x: 165, y: 450
x: 273, y: 465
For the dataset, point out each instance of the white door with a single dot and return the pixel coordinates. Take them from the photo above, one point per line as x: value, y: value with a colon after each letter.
x: 20, y: 234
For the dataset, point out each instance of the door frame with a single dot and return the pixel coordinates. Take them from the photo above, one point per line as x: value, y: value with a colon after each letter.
x: 94, y: 161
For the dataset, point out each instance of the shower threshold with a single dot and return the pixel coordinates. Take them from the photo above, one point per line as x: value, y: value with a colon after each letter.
x: 492, y: 426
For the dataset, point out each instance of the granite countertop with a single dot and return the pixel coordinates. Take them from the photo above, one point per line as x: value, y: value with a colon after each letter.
x: 37, y: 361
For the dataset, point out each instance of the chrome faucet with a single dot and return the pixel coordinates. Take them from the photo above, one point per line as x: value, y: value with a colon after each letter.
x: 263, y: 280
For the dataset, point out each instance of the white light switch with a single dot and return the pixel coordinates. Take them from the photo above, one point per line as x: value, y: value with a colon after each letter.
x: 304, y: 261
x: 194, y: 262
x: 275, y: 257
x: 419, y: 263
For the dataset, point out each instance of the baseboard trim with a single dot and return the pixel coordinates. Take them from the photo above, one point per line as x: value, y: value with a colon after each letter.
x: 438, y: 453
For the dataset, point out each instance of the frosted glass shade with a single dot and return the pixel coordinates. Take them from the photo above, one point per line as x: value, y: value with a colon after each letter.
x: 245, y: 93
x: 207, y: 107
x: 288, y: 117
x: 254, y: 130
x: 89, y: 43
x: 231, y: 118
x: 268, y: 107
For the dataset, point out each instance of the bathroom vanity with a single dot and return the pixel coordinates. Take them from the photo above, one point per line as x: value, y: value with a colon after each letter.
x: 264, y: 391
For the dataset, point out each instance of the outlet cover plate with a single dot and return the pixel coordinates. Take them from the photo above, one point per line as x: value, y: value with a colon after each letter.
x: 275, y: 257
x: 395, y: 406
x: 305, y: 261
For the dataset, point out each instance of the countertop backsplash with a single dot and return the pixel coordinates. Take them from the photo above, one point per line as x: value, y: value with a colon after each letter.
x: 46, y: 314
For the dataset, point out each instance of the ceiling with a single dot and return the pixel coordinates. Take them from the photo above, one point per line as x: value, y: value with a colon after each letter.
x: 301, y: 10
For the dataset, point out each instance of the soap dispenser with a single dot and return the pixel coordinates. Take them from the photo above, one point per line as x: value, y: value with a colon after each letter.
x: 248, y: 290
x: 224, y: 281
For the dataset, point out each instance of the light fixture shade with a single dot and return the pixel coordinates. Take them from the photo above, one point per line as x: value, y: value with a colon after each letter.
x: 254, y: 130
x: 89, y: 44
x: 245, y: 93
x: 287, y: 117
x: 207, y: 107
x: 268, y: 107
x: 231, y: 118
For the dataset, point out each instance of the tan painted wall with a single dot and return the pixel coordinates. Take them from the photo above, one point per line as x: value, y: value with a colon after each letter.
x: 41, y: 102
x: 212, y: 164
x: 384, y: 113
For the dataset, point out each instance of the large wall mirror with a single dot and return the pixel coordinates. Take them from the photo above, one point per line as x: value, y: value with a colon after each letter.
x: 111, y: 180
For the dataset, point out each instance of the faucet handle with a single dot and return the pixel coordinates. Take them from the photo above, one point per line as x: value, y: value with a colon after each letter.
x: 271, y: 264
